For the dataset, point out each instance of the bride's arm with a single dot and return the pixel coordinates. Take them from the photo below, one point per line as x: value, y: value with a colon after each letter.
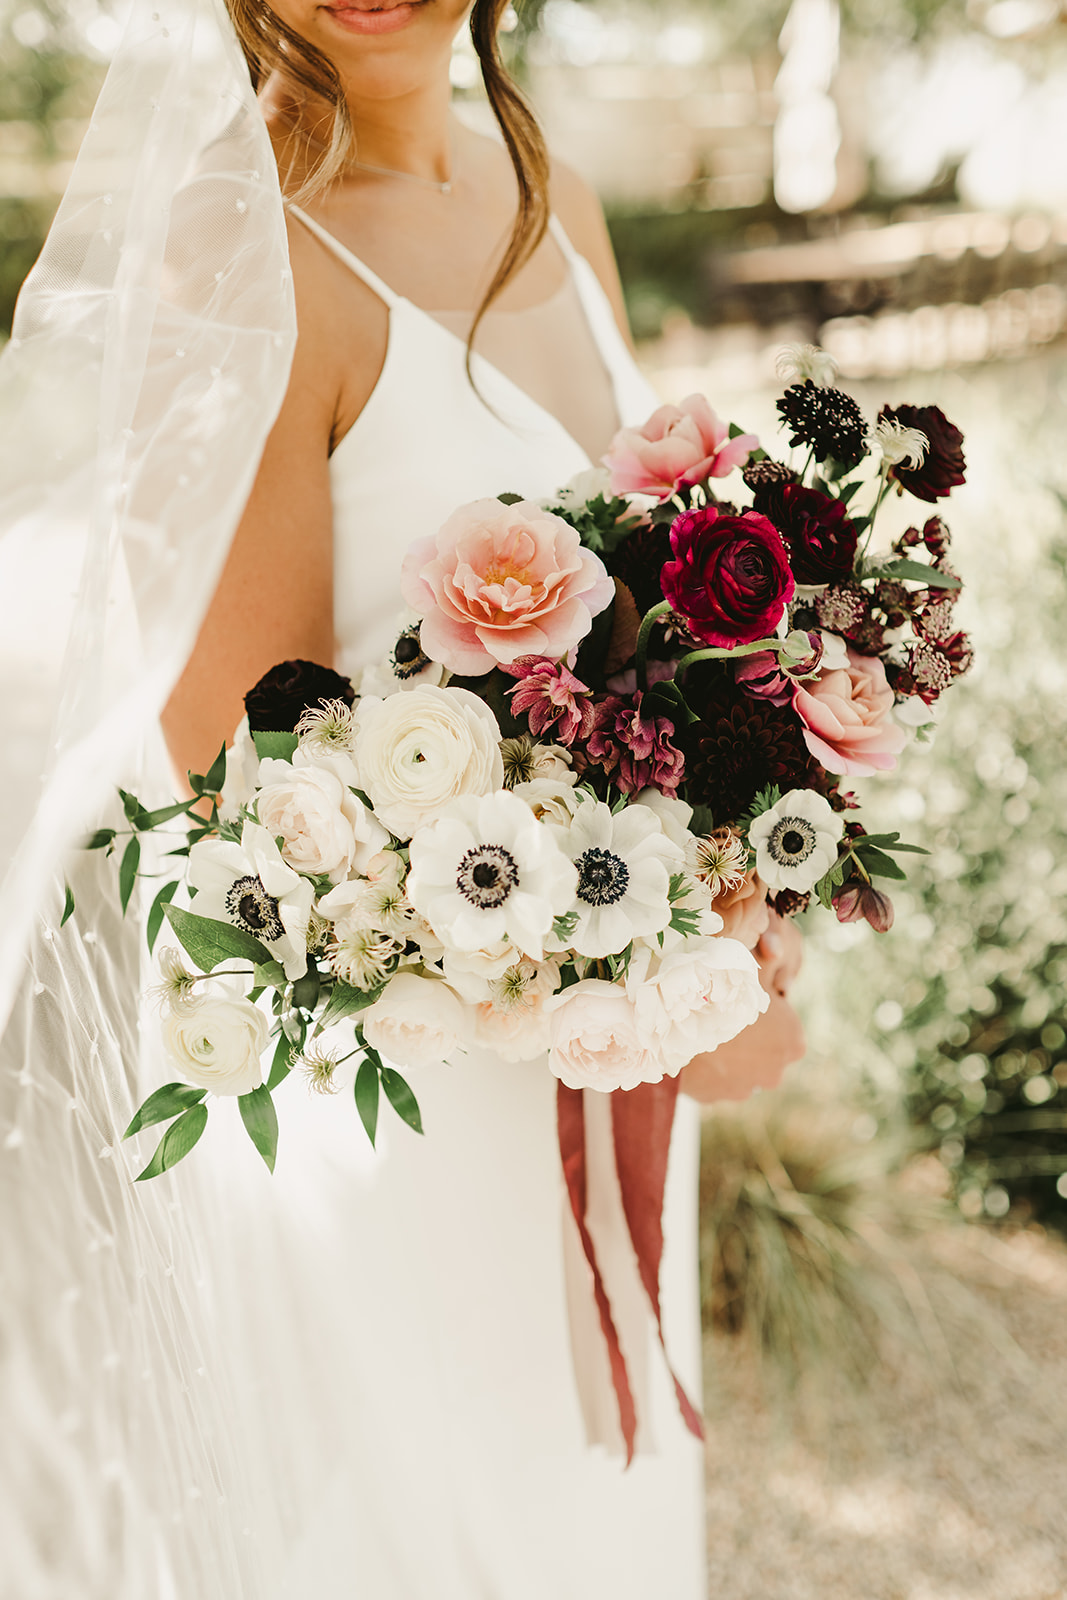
x: 274, y: 601
x: 757, y: 1058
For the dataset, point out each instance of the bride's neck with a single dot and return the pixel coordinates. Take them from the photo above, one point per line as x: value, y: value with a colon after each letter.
x: 410, y: 132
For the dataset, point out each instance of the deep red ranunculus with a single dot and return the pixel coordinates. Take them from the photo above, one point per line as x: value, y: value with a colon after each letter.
x: 730, y: 576
x: 943, y: 466
x: 819, y: 534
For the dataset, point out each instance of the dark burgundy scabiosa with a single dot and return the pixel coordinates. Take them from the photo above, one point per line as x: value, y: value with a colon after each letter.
x: 277, y: 702
x: 767, y: 479
x: 638, y: 561
x: 551, y: 698
x: 729, y: 578
x: 740, y: 747
x: 943, y: 466
x: 819, y: 534
x: 828, y: 420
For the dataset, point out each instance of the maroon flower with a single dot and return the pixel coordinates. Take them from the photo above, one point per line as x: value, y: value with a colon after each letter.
x: 638, y: 560
x: 943, y: 466
x: 277, y: 702
x: 772, y: 677
x: 740, y: 747
x: 855, y: 901
x: 730, y: 576
x: 820, y: 537
x: 647, y: 757
x: 934, y: 664
x: 551, y: 698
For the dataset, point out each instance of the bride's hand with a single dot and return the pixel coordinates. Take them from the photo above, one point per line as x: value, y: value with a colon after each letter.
x: 757, y: 1058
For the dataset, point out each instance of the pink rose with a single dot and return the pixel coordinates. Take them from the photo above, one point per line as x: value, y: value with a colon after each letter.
x: 744, y: 911
x: 595, y: 1043
x: 678, y: 444
x: 847, y: 717
x: 499, y: 582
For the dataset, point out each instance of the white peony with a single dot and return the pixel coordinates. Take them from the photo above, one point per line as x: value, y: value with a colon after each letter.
x: 693, y: 998
x: 250, y: 885
x: 216, y: 1041
x: 325, y: 829
x: 796, y: 841
x: 594, y: 1039
x: 417, y: 1021
x: 415, y: 752
x: 242, y: 767
x: 487, y: 870
x: 624, y: 864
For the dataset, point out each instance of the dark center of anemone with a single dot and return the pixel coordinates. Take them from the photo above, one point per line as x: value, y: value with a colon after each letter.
x: 603, y: 878
x: 409, y: 658
x: 487, y: 874
x: 792, y: 841
x: 250, y: 906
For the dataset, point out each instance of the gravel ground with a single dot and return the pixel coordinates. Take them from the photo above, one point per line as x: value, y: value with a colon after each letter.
x: 946, y: 1479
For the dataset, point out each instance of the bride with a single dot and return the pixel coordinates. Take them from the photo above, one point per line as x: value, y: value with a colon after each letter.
x: 374, y: 1374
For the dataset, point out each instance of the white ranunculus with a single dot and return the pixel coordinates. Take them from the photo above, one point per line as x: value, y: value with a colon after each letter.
x: 552, y: 763
x: 694, y: 997
x: 325, y: 829
x: 674, y: 815
x: 216, y: 1042
x: 594, y: 1039
x: 417, y: 1021
x: 624, y: 864
x: 487, y: 870
x: 470, y: 972
x: 550, y: 799
x: 242, y: 768
x: 796, y: 841
x: 250, y: 885
x: 415, y: 752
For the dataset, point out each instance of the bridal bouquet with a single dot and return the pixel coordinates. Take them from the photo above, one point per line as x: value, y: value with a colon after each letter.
x: 607, y: 740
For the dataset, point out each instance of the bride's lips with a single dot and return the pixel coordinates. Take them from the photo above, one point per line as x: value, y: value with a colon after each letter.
x: 364, y: 16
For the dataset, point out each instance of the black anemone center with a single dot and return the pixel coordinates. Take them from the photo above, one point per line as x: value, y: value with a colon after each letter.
x: 487, y: 874
x: 253, y: 909
x: 409, y: 658
x: 603, y: 878
x: 792, y: 841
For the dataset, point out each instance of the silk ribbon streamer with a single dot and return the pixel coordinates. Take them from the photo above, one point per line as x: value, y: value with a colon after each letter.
x: 642, y: 1120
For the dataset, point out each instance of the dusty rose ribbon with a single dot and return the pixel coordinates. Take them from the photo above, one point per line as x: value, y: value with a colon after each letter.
x: 642, y: 1120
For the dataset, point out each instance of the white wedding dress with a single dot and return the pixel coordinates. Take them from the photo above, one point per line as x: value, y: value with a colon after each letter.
x: 374, y: 1376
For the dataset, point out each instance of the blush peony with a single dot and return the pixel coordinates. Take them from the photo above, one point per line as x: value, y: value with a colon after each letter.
x: 499, y: 582
x: 848, y: 718
x: 678, y: 444
x: 595, y: 1043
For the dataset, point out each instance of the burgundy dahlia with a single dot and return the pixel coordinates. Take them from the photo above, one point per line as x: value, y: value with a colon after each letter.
x: 277, y: 702
x: 740, y: 747
x: 730, y: 576
x: 943, y: 466
x: 819, y: 534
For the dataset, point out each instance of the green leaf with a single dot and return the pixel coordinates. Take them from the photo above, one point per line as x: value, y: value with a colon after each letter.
x: 918, y: 571
x: 261, y: 1122
x: 68, y: 904
x: 131, y: 859
x: 99, y: 839
x: 366, y: 1091
x: 564, y: 926
x: 891, y: 841
x: 270, y: 975
x: 401, y: 1098
x: 209, y: 942
x: 215, y: 776
x: 281, y: 1066
x: 275, y: 746
x: 306, y: 989
x: 133, y: 808
x: 164, y: 1103
x: 877, y: 863
x: 345, y: 1001
x: 153, y: 819
x: 155, y: 914
x: 176, y: 1142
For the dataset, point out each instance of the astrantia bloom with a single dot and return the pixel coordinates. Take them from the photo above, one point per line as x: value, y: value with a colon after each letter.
x: 796, y: 841
x: 250, y: 885
x: 551, y: 698
x: 828, y: 420
x: 677, y: 445
x: 624, y: 864
x: 942, y: 468
x: 729, y: 577
x: 487, y: 870
x: 503, y: 581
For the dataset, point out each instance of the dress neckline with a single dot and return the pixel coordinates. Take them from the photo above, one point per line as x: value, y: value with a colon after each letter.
x: 395, y: 302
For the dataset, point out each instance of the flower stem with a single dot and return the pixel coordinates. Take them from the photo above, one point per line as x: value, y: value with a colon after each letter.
x: 648, y: 621
x: 717, y: 654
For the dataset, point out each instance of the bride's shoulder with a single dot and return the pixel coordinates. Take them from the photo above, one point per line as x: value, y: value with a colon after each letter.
x: 581, y: 214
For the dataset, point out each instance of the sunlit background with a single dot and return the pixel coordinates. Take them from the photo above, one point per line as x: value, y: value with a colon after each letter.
x: 886, y: 178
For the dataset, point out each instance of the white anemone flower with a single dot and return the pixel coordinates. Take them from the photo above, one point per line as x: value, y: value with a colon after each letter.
x: 405, y: 665
x: 624, y: 864
x: 487, y: 870
x: 796, y: 841
x: 898, y: 443
x: 249, y: 885
x: 797, y: 363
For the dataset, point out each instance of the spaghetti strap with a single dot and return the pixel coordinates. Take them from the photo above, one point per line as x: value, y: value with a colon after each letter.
x: 371, y: 279
x: 559, y: 233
